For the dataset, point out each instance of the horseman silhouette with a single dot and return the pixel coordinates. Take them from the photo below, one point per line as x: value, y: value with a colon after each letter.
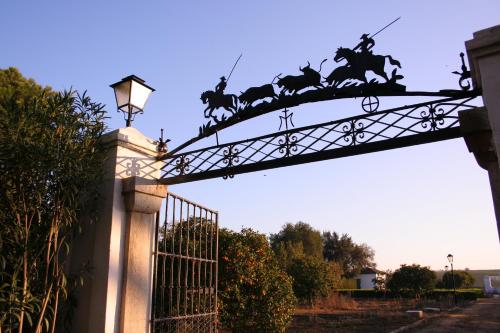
x: 358, y: 63
x: 217, y: 100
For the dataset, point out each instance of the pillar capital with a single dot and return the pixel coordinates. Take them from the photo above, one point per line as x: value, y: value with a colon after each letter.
x: 476, y: 130
x: 143, y: 195
x: 485, y: 43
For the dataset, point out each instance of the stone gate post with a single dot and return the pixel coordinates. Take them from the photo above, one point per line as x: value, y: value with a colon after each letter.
x: 117, y: 249
x: 482, y: 128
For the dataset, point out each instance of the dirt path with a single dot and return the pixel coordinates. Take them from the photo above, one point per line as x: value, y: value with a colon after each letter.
x: 483, y: 316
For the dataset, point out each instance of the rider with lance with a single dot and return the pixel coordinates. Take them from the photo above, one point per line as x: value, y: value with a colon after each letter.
x: 219, y: 89
x: 366, y: 44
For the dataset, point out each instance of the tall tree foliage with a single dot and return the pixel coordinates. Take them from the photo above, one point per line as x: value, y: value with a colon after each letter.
x: 351, y: 256
x: 312, y: 278
x: 299, y: 249
x: 50, y: 162
x: 295, y: 240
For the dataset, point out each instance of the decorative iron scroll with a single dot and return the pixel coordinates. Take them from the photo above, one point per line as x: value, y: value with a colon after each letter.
x: 419, y: 123
x: 465, y: 75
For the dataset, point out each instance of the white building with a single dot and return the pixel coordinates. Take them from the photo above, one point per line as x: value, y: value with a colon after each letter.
x: 366, y: 279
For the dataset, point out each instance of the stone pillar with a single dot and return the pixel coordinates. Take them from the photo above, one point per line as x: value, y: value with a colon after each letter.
x: 476, y: 130
x: 143, y: 198
x: 484, y: 59
x: 117, y: 249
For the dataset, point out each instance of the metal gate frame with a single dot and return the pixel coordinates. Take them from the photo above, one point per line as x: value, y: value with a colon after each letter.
x: 185, y: 268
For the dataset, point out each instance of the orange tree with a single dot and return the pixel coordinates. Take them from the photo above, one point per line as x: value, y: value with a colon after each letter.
x: 255, y: 293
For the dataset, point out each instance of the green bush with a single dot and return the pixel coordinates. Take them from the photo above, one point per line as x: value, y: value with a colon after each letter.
x: 436, y: 294
x: 413, y: 280
x: 255, y: 293
x: 312, y: 278
x: 459, y: 280
x: 462, y: 294
x: 50, y: 167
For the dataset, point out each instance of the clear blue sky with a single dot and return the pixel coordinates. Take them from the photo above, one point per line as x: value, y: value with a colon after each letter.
x: 412, y: 205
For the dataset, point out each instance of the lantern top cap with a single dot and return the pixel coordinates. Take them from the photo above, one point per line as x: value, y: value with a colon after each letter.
x: 132, y: 78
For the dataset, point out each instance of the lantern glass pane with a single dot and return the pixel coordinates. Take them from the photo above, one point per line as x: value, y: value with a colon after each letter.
x: 122, y: 93
x: 139, y: 95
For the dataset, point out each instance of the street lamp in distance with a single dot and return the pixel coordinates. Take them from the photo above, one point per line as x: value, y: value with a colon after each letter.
x: 450, y: 259
x: 131, y: 95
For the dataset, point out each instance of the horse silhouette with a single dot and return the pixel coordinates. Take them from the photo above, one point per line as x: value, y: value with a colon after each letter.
x: 217, y: 100
x: 358, y: 63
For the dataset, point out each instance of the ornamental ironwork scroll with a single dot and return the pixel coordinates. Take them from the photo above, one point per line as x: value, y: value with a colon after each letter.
x: 408, y: 125
x: 465, y: 76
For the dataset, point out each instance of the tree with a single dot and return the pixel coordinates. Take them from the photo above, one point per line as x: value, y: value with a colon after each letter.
x: 255, y: 293
x: 463, y: 279
x: 50, y: 162
x: 299, y: 250
x: 413, y: 280
x: 312, y: 278
x: 296, y: 238
x: 351, y: 256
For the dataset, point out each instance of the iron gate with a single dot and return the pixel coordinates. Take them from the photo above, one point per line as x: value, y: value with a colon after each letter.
x: 185, y: 268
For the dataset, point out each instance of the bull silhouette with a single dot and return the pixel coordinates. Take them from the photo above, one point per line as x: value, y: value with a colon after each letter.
x: 294, y: 83
x: 255, y: 93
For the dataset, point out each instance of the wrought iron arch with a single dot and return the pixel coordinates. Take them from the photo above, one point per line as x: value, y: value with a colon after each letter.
x: 425, y: 122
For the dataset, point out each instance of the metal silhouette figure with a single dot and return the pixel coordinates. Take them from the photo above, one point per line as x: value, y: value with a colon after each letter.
x: 366, y: 44
x: 294, y: 83
x: 358, y: 63
x: 217, y: 99
x: 221, y: 86
x: 253, y: 94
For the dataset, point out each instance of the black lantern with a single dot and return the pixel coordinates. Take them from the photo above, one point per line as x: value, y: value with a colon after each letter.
x: 131, y: 96
x: 450, y: 259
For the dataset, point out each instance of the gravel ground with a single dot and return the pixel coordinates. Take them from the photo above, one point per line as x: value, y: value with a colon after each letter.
x: 483, y: 316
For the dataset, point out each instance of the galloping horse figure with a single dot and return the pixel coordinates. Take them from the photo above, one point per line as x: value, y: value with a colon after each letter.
x: 361, y: 62
x: 217, y: 100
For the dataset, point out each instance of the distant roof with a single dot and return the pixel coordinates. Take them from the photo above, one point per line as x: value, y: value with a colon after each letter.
x: 369, y: 270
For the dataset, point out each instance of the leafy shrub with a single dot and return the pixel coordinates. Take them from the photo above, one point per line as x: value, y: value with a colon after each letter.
x: 462, y: 279
x: 50, y: 165
x: 463, y: 294
x: 255, y: 294
x: 312, y: 278
x: 414, y: 280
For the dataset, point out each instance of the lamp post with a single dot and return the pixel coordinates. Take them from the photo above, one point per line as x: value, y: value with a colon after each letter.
x: 131, y: 95
x: 450, y: 259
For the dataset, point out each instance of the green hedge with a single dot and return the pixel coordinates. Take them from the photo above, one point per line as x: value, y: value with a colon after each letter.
x: 462, y: 294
